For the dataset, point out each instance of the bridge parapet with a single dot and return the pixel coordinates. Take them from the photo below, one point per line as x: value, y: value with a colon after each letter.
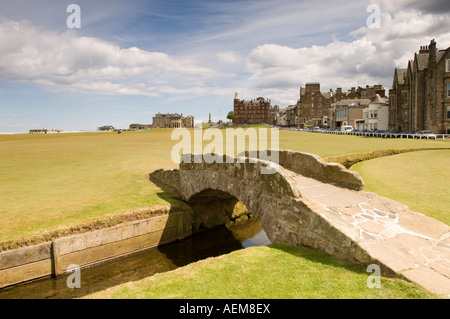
x: 311, y: 165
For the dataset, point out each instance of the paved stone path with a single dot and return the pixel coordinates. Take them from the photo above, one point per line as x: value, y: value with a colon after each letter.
x: 411, y: 244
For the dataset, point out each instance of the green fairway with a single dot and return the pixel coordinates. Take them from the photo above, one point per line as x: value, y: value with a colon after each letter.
x: 418, y: 179
x: 60, y: 180
x: 270, y: 272
x: 56, y: 181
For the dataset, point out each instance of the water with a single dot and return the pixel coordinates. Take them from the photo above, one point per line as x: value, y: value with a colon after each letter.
x: 210, y: 243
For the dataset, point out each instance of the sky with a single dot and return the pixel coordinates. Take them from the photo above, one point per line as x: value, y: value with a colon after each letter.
x: 129, y: 60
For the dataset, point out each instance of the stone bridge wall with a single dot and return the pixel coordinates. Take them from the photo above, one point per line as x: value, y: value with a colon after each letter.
x: 311, y: 165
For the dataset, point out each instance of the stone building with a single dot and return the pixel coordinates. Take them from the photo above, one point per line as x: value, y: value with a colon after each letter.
x: 251, y: 112
x: 170, y: 120
x: 106, y: 128
x: 140, y: 126
x: 420, y: 94
x: 313, y: 105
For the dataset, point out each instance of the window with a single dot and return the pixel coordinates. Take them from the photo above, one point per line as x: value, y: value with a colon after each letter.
x: 447, y: 65
x: 448, y: 112
x: 448, y: 89
x: 406, y: 116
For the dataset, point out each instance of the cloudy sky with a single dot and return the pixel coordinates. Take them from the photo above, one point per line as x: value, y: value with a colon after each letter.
x: 132, y: 59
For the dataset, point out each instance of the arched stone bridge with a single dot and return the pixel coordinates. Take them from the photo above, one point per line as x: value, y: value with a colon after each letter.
x: 307, y: 201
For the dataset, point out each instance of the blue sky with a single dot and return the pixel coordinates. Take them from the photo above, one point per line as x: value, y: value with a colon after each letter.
x: 132, y: 59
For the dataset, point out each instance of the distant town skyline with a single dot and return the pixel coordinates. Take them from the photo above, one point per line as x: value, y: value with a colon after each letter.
x: 131, y: 60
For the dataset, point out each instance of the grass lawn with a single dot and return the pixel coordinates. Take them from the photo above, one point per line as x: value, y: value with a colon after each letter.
x: 59, y: 180
x: 269, y: 272
x: 418, y: 179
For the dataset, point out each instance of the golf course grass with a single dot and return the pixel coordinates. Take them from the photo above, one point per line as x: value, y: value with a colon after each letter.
x: 417, y: 179
x: 268, y: 272
x: 55, y: 181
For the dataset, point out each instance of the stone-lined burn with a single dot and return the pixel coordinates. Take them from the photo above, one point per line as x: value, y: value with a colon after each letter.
x: 98, y: 223
x: 92, y: 247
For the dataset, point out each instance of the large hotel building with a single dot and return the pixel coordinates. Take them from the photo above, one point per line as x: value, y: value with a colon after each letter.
x: 251, y: 112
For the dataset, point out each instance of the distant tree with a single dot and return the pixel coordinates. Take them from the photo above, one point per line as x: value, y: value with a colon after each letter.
x: 230, y: 115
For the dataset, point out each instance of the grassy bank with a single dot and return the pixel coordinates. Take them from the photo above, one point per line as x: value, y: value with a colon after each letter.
x: 419, y: 180
x: 270, y: 272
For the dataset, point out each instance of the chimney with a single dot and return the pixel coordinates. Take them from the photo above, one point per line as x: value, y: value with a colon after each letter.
x: 432, y: 50
x: 423, y: 49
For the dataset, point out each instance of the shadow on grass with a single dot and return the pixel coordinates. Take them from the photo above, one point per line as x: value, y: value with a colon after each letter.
x: 318, y: 257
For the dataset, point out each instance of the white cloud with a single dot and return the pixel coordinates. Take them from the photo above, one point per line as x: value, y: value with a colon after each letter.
x: 67, y: 61
x: 229, y: 57
x: 251, y: 49
x: 369, y: 59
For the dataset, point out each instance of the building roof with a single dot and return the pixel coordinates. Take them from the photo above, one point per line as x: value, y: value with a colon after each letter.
x: 440, y: 54
x: 422, y: 61
x: 378, y: 100
x: 401, y: 76
x: 353, y: 102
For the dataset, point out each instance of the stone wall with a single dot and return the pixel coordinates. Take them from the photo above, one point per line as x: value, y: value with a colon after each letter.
x: 53, y: 258
x: 311, y: 165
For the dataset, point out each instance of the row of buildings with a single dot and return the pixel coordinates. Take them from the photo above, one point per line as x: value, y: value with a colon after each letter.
x: 314, y: 108
x: 420, y: 94
x: 419, y: 100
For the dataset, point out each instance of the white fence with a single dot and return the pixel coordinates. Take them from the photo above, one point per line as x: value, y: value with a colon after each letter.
x: 388, y: 135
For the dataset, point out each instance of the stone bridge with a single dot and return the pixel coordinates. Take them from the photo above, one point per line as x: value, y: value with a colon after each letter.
x: 307, y: 201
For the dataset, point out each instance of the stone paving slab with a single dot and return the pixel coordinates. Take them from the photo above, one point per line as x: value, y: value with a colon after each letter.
x: 412, y: 245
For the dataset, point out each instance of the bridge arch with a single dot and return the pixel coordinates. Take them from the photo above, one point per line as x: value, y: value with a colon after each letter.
x: 273, y: 199
x: 239, y: 179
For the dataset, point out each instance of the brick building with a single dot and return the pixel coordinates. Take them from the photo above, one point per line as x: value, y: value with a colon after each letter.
x: 251, y: 112
x: 420, y: 94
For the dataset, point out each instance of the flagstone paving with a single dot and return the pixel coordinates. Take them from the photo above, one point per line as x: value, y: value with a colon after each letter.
x: 413, y: 245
